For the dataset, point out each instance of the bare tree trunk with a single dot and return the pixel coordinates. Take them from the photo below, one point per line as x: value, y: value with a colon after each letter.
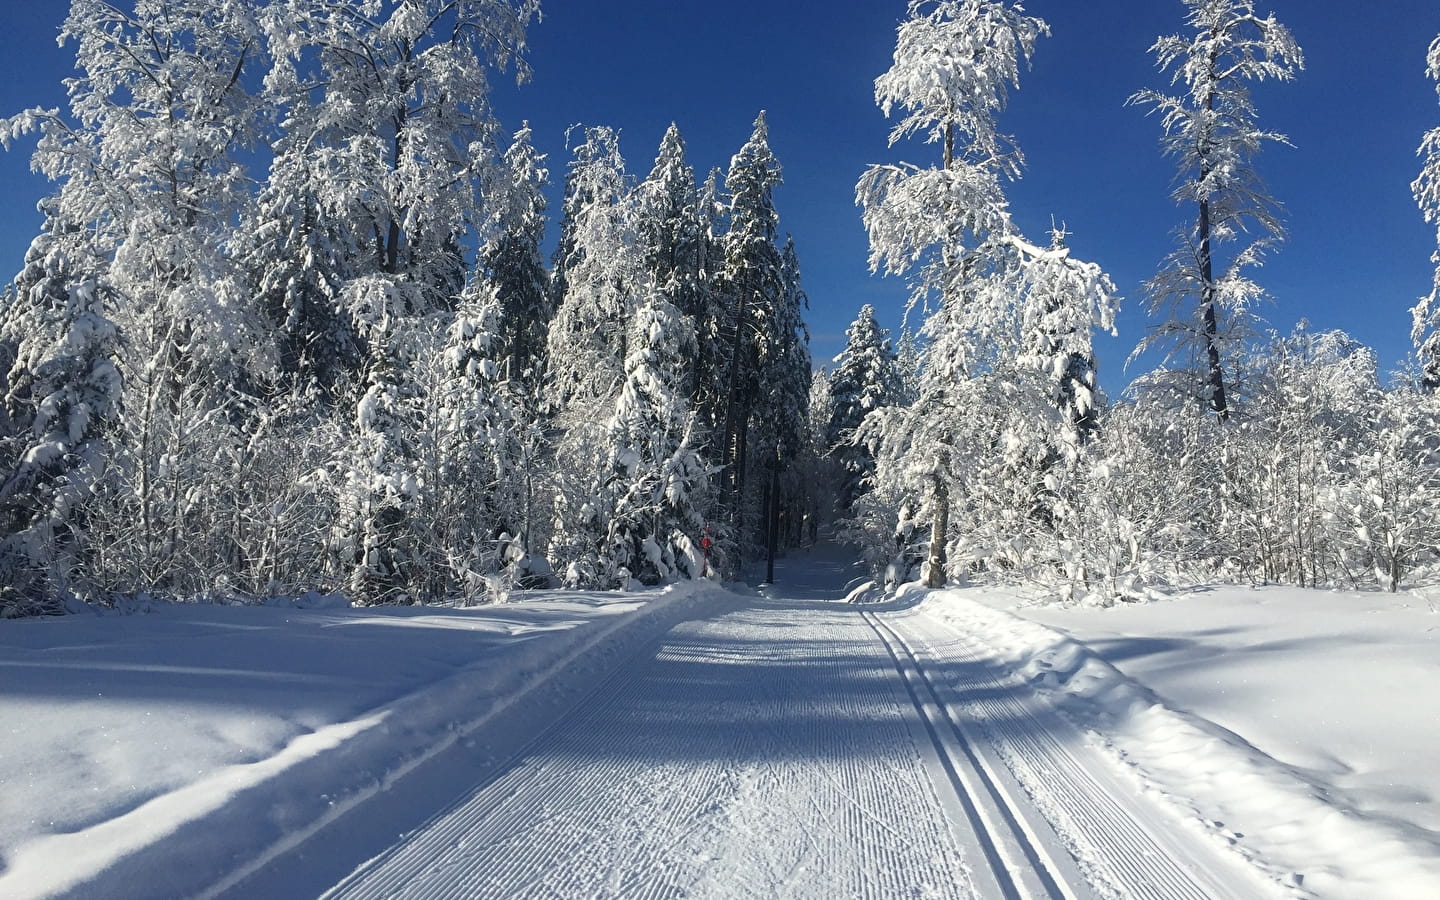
x: 935, y: 576
x: 1209, y: 319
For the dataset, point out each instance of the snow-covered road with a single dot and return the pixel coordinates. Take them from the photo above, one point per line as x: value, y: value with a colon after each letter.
x: 800, y: 748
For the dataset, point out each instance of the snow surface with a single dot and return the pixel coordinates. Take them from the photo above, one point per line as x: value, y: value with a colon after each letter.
x: 160, y: 752
x: 751, y: 757
x: 1299, y: 726
x: 1233, y: 743
x: 1338, y: 685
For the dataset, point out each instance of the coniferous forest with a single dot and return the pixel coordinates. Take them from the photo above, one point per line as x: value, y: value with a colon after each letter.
x: 294, y: 323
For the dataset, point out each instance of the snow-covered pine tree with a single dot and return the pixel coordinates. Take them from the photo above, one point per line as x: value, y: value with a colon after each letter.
x: 909, y: 361
x: 827, y: 475
x: 669, y: 222
x: 470, y: 458
x: 712, y: 314
x: 64, y: 393
x: 1062, y: 301
x: 298, y: 257
x: 657, y: 487
x: 605, y: 279
x: 1211, y: 132
x: 603, y: 271
x: 575, y: 198
x: 953, y: 65
x: 866, y: 378
x: 1066, y: 299
x: 679, y: 249
x: 512, y: 261
x: 377, y: 542
x: 785, y: 412
x: 753, y: 281
x: 1426, y: 188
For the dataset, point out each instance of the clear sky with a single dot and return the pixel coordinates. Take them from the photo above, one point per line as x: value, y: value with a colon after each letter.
x: 1358, y: 253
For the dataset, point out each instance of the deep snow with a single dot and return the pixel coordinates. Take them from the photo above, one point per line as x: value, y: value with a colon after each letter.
x: 1339, y: 685
x: 1294, y: 725
x: 162, y: 753
x: 1237, y: 742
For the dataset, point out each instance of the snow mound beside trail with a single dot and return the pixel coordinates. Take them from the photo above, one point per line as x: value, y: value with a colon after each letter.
x: 1303, y: 833
x: 202, y: 837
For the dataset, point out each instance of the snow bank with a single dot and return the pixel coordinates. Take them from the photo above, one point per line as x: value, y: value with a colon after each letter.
x: 1307, y: 834
x: 150, y: 756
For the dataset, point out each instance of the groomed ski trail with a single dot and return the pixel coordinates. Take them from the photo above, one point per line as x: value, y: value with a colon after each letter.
x: 765, y: 753
x: 793, y: 747
x: 1052, y: 816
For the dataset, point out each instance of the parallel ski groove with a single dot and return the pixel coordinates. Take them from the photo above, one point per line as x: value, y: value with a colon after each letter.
x: 1126, y: 851
x: 969, y: 775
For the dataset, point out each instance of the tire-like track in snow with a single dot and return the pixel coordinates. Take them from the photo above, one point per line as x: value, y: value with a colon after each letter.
x: 769, y: 752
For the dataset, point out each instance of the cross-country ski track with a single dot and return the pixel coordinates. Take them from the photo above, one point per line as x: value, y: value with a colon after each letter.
x: 784, y: 746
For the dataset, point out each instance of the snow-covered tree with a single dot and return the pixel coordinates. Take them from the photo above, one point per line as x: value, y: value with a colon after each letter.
x: 298, y: 257
x: 1426, y: 188
x: 1066, y: 299
x: 657, y: 486
x: 953, y: 65
x: 712, y: 312
x: 1309, y: 416
x: 1212, y: 133
x: 680, y: 252
x: 64, y: 396
x: 377, y: 543
x: 866, y: 378
x: 511, y: 260
x: 909, y: 362
x: 783, y: 416
x: 393, y: 99
x: 1388, y: 510
x: 470, y: 458
x: 604, y: 276
x: 669, y: 222
x: 151, y: 163
x: 826, y: 476
x: 753, y: 280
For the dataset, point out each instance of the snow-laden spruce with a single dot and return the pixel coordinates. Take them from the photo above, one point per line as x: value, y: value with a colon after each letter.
x: 658, y: 485
x: 679, y: 232
x: 866, y: 378
x: 754, y: 284
x: 511, y: 259
x: 62, y: 397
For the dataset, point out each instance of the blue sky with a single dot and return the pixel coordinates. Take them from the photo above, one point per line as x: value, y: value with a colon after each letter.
x: 1358, y: 253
